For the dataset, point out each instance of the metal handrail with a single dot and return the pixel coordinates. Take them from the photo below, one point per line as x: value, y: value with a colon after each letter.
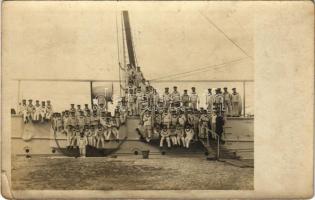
x: 244, y: 81
x: 218, y: 143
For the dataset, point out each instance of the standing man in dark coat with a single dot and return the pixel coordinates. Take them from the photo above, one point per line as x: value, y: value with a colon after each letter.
x: 219, y: 125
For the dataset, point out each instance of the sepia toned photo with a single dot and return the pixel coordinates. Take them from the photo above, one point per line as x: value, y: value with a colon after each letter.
x: 170, y: 105
x: 116, y: 96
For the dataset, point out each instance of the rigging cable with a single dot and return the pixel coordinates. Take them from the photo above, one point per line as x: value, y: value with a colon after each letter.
x: 225, y: 35
x: 199, y: 69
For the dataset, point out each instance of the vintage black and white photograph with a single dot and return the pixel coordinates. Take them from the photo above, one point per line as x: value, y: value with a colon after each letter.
x: 121, y: 96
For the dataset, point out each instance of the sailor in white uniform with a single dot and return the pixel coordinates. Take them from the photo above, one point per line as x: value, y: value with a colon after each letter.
x: 147, y: 125
x: 189, y: 132
x: 23, y: 111
x: 227, y: 101
x: 82, y: 144
x: 175, y: 96
x: 43, y: 111
x: 166, y: 98
x: 30, y: 110
x: 165, y: 135
x: 185, y: 99
x: 210, y: 100
x: 236, y: 103
x: 180, y: 135
x: 194, y: 99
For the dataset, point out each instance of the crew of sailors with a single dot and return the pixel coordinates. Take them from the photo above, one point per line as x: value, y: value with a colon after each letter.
x: 231, y: 103
x: 176, y: 118
x: 178, y: 126
x: 97, y: 126
x: 35, y: 113
x: 145, y: 95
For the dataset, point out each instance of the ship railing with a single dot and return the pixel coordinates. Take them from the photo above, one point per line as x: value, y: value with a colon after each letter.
x: 155, y: 81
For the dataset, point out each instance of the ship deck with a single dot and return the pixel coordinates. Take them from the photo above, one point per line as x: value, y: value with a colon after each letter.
x: 128, y: 173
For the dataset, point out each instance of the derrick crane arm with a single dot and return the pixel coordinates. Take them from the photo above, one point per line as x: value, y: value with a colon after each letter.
x: 130, y: 47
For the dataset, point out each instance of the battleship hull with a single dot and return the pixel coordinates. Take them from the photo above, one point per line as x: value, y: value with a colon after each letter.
x: 36, y: 139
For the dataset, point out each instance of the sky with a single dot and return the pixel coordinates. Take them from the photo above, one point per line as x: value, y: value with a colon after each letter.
x: 78, y: 40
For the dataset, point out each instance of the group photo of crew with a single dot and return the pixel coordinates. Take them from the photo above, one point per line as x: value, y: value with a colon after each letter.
x: 178, y: 118
x: 34, y: 113
x: 89, y: 126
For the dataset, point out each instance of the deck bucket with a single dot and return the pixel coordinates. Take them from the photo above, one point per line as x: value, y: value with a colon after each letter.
x: 145, y: 154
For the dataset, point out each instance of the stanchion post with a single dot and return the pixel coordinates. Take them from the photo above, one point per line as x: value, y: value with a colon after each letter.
x: 91, y: 93
x: 218, y: 149
x: 244, y: 99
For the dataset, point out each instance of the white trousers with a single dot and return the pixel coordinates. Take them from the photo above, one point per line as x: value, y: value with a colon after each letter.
x: 228, y: 107
x: 194, y: 105
x: 100, y: 142
x: 235, y: 109
x: 25, y: 115
x: 181, y: 139
x: 82, y: 151
x: 37, y: 115
x: 167, y: 138
x: 188, y: 138
x: 174, y: 139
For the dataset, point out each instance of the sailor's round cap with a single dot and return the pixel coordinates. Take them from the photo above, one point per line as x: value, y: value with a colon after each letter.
x: 187, y: 126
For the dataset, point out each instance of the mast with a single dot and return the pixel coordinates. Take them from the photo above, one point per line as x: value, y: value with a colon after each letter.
x: 128, y: 37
